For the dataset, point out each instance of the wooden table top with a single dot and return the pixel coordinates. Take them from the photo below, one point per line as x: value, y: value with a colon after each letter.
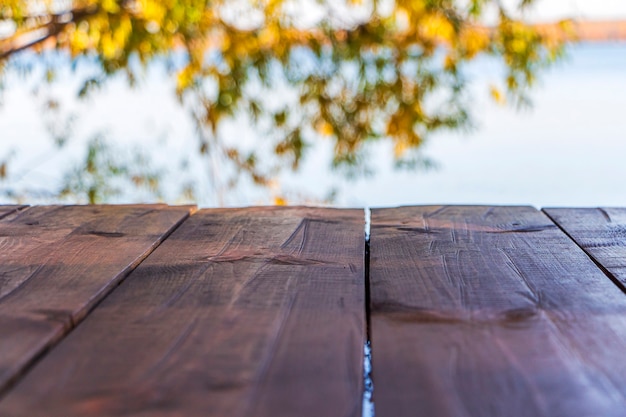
x: 155, y: 310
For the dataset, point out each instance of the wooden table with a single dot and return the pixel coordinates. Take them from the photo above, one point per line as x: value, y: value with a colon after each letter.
x: 168, y: 311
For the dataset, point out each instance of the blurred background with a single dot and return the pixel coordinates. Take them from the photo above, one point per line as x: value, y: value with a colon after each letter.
x: 352, y: 105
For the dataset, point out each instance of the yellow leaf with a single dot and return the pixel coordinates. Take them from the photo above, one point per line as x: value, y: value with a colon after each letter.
x: 325, y: 129
x: 450, y: 62
x: 437, y: 27
x: 400, y: 147
x: 185, y: 78
x: 267, y: 37
x: 280, y: 201
x: 109, y: 50
x: 497, y: 95
x: 110, y: 6
x: 152, y: 10
x: 474, y: 41
x: 518, y: 46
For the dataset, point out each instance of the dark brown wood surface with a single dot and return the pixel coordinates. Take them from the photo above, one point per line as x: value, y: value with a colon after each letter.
x: 240, y: 312
x: 491, y: 311
x: 601, y: 232
x: 57, y: 262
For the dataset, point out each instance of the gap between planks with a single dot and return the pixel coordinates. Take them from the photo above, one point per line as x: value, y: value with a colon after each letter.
x: 614, y: 272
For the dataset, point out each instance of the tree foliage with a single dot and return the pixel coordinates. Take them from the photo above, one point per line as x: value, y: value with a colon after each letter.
x: 354, y: 72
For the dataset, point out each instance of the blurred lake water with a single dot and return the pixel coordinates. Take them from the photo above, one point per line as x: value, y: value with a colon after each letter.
x: 568, y: 149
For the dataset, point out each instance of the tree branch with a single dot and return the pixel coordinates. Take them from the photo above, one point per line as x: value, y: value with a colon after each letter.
x: 57, y: 23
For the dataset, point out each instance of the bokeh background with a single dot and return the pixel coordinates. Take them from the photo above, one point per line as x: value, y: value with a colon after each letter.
x: 567, y: 148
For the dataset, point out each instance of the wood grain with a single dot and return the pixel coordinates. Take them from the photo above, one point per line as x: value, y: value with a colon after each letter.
x: 240, y: 312
x: 601, y: 232
x: 57, y: 262
x: 491, y: 311
x: 7, y: 210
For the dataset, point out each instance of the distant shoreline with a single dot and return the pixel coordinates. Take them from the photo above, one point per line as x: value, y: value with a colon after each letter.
x: 601, y: 31
x: 595, y: 30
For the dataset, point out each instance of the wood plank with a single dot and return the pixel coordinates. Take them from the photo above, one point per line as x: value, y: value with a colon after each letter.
x: 491, y: 311
x: 240, y: 312
x: 57, y: 262
x: 10, y: 209
x: 601, y: 232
